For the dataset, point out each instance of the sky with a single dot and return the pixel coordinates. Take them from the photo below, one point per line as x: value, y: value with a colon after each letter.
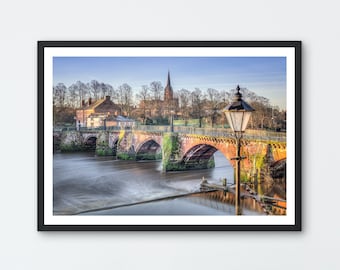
x: 266, y: 76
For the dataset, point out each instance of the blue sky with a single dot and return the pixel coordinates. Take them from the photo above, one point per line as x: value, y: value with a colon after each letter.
x: 266, y: 76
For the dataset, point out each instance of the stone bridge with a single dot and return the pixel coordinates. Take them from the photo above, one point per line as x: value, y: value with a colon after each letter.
x: 184, y: 149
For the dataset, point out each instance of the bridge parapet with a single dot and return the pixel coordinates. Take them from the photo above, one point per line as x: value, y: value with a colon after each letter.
x: 262, y: 135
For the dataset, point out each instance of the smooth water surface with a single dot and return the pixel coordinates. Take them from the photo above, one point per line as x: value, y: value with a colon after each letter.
x: 104, y: 186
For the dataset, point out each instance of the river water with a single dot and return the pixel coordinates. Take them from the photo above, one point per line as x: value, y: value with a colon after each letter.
x: 86, y: 184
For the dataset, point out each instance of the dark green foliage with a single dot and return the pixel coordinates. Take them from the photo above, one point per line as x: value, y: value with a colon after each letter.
x: 125, y: 156
x: 149, y: 156
x: 71, y: 147
x: 63, y: 116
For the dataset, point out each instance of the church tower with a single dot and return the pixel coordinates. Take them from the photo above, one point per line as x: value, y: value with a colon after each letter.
x: 170, y: 104
x: 168, y: 92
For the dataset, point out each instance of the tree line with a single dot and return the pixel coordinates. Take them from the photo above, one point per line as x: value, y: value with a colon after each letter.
x: 146, y: 102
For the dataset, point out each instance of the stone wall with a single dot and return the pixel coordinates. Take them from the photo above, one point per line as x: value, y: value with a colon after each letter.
x: 71, y: 141
x: 102, y: 145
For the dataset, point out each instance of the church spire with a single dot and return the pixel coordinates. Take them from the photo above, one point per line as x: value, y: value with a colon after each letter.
x: 168, y: 92
x: 168, y: 83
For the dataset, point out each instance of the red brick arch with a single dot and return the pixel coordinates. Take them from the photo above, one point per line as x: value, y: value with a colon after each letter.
x: 140, y: 145
x: 225, y: 146
x: 140, y: 138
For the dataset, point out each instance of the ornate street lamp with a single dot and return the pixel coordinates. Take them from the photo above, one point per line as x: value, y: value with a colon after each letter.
x: 238, y: 114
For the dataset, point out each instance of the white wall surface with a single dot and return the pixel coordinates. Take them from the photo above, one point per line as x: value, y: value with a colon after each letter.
x: 23, y: 23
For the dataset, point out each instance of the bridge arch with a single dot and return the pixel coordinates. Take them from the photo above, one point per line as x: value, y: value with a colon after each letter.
x: 199, y: 151
x: 149, y: 149
x: 114, y: 146
x: 90, y: 143
x: 278, y: 169
x: 199, y: 156
x: 205, y: 150
x: 88, y: 137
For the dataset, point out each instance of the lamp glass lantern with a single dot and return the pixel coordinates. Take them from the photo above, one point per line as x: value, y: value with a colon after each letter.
x: 238, y: 113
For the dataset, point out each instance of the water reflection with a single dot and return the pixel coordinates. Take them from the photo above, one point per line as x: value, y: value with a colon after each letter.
x: 83, y: 182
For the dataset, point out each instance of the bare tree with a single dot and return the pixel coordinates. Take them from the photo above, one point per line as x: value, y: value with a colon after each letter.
x: 77, y: 92
x: 95, y: 88
x: 262, y: 116
x: 143, y: 96
x: 59, y: 94
x: 184, y: 102
x: 156, y: 90
x: 125, y: 97
x: 214, y: 100
x: 225, y: 97
x: 73, y: 96
x: 103, y: 90
x: 83, y: 91
x: 197, y: 101
x: 110, y: 90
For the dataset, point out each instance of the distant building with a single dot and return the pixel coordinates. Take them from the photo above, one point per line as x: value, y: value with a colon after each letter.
x: 122, y: 122
x: 159, y: 108
x: 170, y: 104
x: 101, y: 120
x: 168, y: 92
x: 92, y: 114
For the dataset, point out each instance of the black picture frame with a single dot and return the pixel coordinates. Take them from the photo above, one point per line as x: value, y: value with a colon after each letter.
x: 44, y: 157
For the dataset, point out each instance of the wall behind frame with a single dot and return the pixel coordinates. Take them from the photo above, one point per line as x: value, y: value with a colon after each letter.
x: 23, y: 23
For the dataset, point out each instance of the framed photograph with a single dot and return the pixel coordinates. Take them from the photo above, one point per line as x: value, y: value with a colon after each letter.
x: 169, y: 135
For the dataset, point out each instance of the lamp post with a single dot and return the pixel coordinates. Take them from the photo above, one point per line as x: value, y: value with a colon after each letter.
x: 238, y: 114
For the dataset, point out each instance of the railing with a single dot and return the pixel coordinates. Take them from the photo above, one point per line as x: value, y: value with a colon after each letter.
x: 213, y: 132
x: 88, y: 128
x: 217, y: 132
